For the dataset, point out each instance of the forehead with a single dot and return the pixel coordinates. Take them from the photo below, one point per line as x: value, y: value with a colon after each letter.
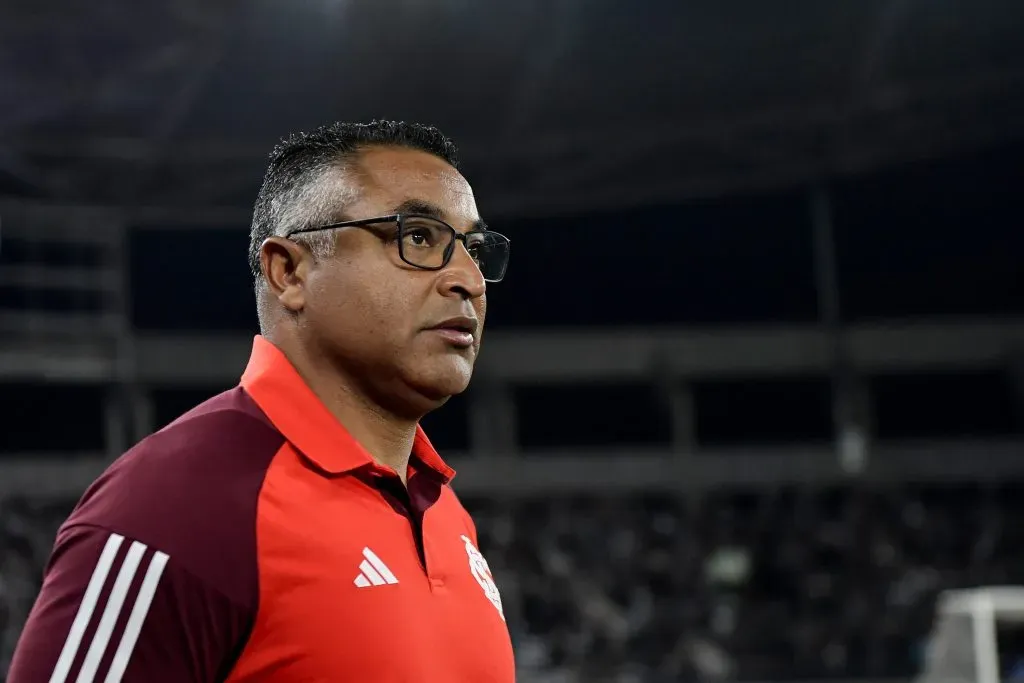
x: 389, y: 176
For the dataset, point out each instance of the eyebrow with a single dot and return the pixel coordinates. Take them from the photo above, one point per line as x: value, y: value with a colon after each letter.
x: 425, y: 208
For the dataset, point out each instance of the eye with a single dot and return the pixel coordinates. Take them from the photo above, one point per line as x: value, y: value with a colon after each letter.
x: 476, y: 245
x: 422, y: 236
x: 417, y: 237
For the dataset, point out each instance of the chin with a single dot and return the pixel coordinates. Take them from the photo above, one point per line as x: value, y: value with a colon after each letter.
x: 445, y: 379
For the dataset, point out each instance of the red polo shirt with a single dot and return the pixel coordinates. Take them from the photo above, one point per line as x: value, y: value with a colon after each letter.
x: 254, y: 540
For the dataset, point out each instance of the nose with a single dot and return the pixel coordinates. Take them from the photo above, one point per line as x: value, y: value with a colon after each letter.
x: 461, y: 277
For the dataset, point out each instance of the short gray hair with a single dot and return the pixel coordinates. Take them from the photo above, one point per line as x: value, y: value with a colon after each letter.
x: 304, y: 183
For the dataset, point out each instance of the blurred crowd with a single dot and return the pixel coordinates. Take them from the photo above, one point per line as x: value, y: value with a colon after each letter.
x: 780, y: 584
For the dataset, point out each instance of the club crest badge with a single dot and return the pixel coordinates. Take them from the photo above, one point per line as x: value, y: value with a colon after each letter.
x: 482, y: 573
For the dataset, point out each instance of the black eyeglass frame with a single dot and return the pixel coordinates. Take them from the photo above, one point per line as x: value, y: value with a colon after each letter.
x: 399, y: 219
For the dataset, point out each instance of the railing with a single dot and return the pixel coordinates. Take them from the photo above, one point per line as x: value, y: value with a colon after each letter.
x: 624, y: 470
x: 64, y: 285
x: 62, y: 275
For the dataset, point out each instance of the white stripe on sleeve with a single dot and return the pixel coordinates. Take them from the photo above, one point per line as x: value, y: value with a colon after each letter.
x: 86, y: 608
x: 113, y: 610
x: 134, y: 626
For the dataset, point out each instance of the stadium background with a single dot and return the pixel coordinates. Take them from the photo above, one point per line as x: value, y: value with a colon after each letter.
x: 752, y: 397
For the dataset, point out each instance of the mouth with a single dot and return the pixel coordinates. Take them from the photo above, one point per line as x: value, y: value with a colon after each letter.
x: 459, y: 332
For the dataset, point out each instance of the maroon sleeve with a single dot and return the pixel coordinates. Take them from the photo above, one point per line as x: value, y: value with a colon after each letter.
x: 115, y: 609
x: 154, y: 576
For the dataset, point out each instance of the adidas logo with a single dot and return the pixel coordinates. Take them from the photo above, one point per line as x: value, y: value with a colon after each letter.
x: 373, y: 572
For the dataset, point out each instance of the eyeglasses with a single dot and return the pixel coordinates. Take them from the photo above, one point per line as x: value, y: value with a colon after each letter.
x: 428, y: 243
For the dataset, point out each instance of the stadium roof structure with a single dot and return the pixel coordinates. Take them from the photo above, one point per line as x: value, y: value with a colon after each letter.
x: 171, y: 106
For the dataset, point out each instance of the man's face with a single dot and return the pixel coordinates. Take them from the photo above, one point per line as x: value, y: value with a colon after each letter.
x: 375, y: 314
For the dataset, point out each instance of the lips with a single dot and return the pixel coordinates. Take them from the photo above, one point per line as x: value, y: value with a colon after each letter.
x: 459, y: 331
x: 460, y: 323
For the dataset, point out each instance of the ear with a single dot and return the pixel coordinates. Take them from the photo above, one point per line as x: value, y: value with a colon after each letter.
x: 285, y: 265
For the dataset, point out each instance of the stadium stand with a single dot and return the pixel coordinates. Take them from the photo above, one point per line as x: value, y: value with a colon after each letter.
x: 786, y: 584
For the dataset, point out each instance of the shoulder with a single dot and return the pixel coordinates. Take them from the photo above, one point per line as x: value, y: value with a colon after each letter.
x: 191, y: 489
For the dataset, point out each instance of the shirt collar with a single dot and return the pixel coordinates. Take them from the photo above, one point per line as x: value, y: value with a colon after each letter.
x: 293, y: 408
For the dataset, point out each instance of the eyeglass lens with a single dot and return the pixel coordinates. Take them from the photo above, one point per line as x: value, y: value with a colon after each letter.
x: 428, y: 244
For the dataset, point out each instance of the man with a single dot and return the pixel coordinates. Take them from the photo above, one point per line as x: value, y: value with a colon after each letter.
x: 301, y: 527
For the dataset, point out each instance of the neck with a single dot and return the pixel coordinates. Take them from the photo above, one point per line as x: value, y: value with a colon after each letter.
x: 386, y: 437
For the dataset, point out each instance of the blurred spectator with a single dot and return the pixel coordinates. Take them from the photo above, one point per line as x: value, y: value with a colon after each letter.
x: 749, y: 585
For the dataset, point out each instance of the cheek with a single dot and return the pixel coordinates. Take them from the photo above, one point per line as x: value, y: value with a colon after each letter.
x: 481, y: 308
x: 364, y: 310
